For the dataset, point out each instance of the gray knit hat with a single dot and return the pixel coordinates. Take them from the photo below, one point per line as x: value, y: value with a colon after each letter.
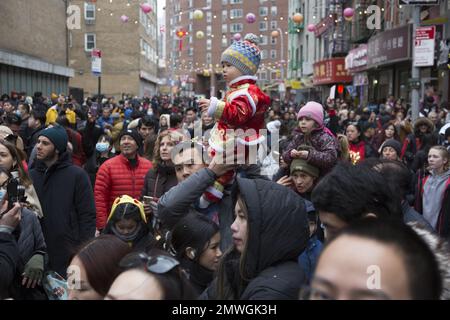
x: 244, y: 55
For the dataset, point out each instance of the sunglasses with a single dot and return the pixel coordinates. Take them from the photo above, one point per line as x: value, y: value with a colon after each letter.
x: 156, y: 264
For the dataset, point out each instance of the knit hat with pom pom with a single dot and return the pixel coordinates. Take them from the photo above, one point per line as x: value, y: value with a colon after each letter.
x: 244, y: 55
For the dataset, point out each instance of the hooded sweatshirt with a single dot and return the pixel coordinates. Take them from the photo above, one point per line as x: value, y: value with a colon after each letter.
x: 278, y: 233
x: 433, y: 194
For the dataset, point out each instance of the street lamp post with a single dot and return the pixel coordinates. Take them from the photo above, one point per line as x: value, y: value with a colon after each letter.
x: 280, y: 33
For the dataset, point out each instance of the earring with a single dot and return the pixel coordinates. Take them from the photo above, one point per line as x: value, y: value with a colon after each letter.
x: 191, y: 253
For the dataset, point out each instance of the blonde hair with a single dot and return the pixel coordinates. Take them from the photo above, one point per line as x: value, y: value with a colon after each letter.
x: 175, y: 136
x: 445, y: 154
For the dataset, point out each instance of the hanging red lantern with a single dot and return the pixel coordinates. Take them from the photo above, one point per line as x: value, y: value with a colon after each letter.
x: 181, y: 33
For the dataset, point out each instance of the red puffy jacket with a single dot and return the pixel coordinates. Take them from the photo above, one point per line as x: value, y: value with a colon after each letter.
x: 115, y: 178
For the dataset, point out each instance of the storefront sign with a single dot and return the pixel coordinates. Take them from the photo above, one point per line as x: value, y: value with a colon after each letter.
x: 389, y: 47
x: 424, y: 46
x: 419, y: 2
x: 356, y: 60
x: 331, y: 71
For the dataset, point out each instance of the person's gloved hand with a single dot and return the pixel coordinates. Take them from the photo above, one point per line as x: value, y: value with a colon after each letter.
x: 33, y: 272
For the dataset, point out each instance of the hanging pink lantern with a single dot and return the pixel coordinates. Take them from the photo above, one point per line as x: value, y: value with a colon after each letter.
x: 250, y: 18
x: 124, y: 18
x: 146, y: 8
x: 311, y: 27
x: 237, y: 37
x: 348, y: 13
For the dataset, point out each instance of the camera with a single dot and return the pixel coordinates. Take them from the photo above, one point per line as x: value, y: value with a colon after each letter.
x: 16, y: 193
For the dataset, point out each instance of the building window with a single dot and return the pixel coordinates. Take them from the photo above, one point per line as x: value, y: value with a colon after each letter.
x: 273, y: 40
x: 190, y: 39
x: 190, y: 3
x: 273, y: 54
x: 224, y: 42
x: 224, y: 2
x: 89, y: 41
x: 190, y: 28
x: 263, y: 26
x: 273, y: 11
x: 262, y: 1
x: 264, y: 40
x: 273, y: 25
x: 208, y: 58
x: 208, y: 3
x: 236, y: 27
x: 262, y: 75
x: 208, y: 17
x: 191, y: 52
x: 235, y: 1
x: 224, y: 15
x: 263, y: 11
x: 208, y: 29
x: 208, y: 44
x: 264, y: 54
x: 236, y: 13
x: 224, y: 28
x: 89, y: 11
x: 191, y: 15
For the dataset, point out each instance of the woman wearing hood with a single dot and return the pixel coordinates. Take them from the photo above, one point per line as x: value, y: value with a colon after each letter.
x: 127, y: 221
x: 435, y: 191
x: 414, y: 141
x: 270, y: 231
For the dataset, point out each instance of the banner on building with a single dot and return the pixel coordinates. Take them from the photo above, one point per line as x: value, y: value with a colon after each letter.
x: 96, y: 62
x: 424, y: 46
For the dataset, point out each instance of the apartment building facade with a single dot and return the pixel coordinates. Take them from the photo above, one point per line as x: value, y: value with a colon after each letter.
x: 33, y: 47
x: 128, y: 40
x: 193, y: 61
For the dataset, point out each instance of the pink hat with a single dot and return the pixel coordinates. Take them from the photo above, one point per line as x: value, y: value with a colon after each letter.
x: 312, y: 110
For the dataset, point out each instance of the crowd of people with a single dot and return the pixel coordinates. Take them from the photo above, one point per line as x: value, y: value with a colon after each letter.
x: 131, y: 199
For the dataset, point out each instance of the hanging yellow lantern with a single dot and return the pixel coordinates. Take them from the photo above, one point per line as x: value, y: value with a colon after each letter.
x: 198, y: 14
x: 199, y: 34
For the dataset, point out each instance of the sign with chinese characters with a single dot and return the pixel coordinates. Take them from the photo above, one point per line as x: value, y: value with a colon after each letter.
x: 356, y: 60
x: 424, y: 46
x: 389, y: 47
x: 96, y: 65
x: 331, y: 71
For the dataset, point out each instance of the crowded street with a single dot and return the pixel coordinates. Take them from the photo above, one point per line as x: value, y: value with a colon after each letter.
x: 224, y: 150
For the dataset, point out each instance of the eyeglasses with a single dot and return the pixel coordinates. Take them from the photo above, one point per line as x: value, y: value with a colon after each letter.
x: 156, y: 264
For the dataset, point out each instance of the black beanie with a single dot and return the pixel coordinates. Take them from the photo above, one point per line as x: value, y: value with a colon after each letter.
x: 134, y: 134
x: 397, y: 146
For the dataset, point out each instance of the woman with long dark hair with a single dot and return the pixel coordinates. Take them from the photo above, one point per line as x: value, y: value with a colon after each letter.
x: 269, y: 233
x: 358, y: 148
x: 194, y: 241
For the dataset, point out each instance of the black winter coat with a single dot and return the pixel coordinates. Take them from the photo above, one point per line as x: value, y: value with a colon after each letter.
x: 278, y: 234
x: 9, y: 261
x: 159, y: 180
x: 68, y: 205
